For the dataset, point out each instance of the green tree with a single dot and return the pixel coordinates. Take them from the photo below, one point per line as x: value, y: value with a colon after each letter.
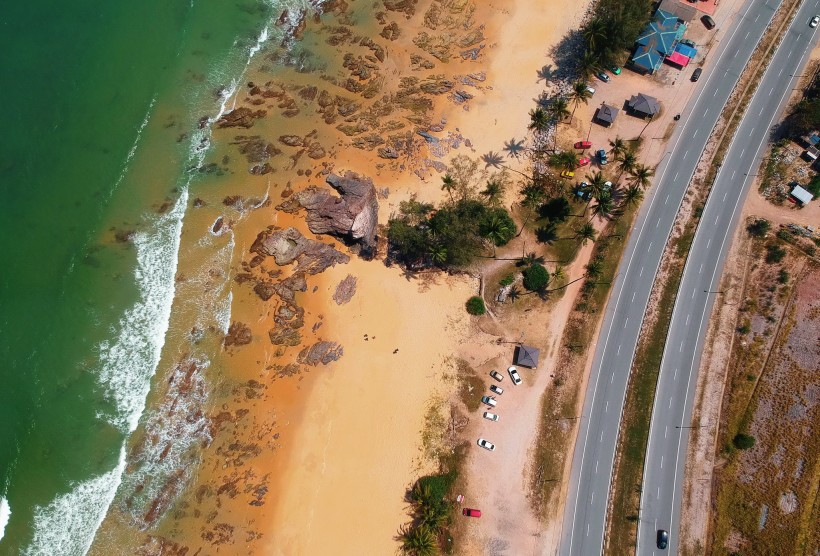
x: 632, y: 195
x: 585, y: 233
x: 566, y: 160
x: 743, y: 441
x: 475, y: 306
x: 627, y: 162
x: 448, y: 184
x: 497, y: 226
x: 419, y: 541
x: 556, y: 210
x: 603, y: 207
x: 580, y: 94
x: 595, y: 34
x: 546, y: 234
x: 641, y: 175
x: 617, y: 147
x: 595, y: 268
x: 493, y: 192
x: 759, y: 228
x: 533, y: 195
x: 559, y: 109
x: 536, y: 277
x: 589, y: 64
x: 539, y: 120
x: 530, y: 259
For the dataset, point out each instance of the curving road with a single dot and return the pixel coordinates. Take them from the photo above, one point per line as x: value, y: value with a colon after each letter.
x: 675, y: 391
x: 585, y: 514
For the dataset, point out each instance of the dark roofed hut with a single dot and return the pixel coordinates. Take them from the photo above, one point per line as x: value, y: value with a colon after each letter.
x: 526, y: 356
x: 606, y: 115
x: 642, y: 105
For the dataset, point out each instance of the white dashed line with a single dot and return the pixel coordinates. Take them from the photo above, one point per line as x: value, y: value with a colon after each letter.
x: 659, y: 222
x: 633, y: 296
x: 770, y: 92
x: 685, y: 154
x: 733, y: 174
x: 724, y: 195
x: 640, y: 273
x: 661, y: 462
x: 606, y: 407
x: 665, y: 431
x: 687, y: 319
x: 659, y: 492
x: 675, y: 376
x: 666, y: 200
x: 596, y: 468
x: 699, y: 272
x: 626, y: 321
x: 680, y: 349
x: 592, y: 499
x: 619, y: 352
x: 708, y: 243
x: 670, y: 402
x: 741, y: 152
x: 676, y: 176
x: 602, y: 437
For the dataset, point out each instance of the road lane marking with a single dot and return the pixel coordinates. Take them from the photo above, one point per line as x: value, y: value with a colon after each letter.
x: 675, y: 376
x: 687, y: 319
x: 752, y: 132
x: 733, y: 174
x: 659, y: 222
x: 780, y: 72
x: 695, y: 134
x: 592, y: 498
x: 612, y: 378
x: 666, y: 429
x: 676, y: 177
x: 602, y: 437
x: 650, y: 246
x: 741, y: 152
x: 724, y: 195
x: 661, y: 462
x: 640, y: 273
x: 715, y: 93
x: 587, y: 529
x: 670, y: 402
x: 693, y: 293
x: 708, y: 243
x: 659, y: 493
x: 619, y: 352
x: 685, y: 154
x: 736, y: 53
x: 680, y: 349
x: 626, y: 321
x: 699, y: 272
x: 596, y: 468
x: 747, y: 35
x: 633, y: 297
x: 758, y: 15
x: 605, y: 409
x: 666, y: 200
x: 771, y: 91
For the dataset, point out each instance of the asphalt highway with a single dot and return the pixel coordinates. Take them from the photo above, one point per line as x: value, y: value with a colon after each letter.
x: 672, y: 412
x: 586, y: 509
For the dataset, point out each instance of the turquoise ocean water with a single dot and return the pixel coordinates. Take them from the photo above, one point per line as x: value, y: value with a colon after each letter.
x: 101, y: 103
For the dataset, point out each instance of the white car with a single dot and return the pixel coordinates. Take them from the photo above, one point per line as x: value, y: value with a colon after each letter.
x: 486, y: 444
x: 814, y: 21
x: 496, y: 375
x: 514, y: 375
x: 496, y: 389
x: 489, y: 401
x: 490, y: 416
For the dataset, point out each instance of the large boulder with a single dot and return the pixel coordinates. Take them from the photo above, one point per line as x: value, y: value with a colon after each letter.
x: 286, y: 246
x: 352, y: 215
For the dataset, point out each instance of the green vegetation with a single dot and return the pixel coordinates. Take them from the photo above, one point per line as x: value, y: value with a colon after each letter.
x: 611, y: 31
x: 743, y: 441
x: 475, y: 306
x: 805, y: 117
x: 759, y: 228
x: 774, y: 253
x: 536, y: 277
x: 507, y: 280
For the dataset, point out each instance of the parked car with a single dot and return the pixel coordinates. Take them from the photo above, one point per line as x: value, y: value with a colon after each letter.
x: 708, y: 22
x: 489, y: 401
x: 688, y: 42
x: 567, y: 174
x: 496, y: 375
x: 583, y: 162
x: 583, y: 144
x: 486, y: 444
x: 603, y: 76
x: 496, y: 389
x: 663, y: 539
x: 615, y: 70
x: 607, y: 185
x: 491, y: 416
x: 514, y: 375
x: 696, y: 74
x: 602, y: 156
x: 590, y: 90
x: 814, y: 21
x: 470, y: 512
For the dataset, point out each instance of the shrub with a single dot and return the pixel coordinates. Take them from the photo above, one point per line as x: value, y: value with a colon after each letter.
x: 743, y: 441
x: 774, y: 253
x: 475, y: 306
x: 783, y: 277
x: 536, y: 277
x: 744, y: 328
x: 758, y: 228
x: 497, y: 225
x: 507, y: 280
x: 556, y: 210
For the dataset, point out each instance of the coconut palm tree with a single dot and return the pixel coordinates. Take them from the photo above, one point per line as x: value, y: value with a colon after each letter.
x: 514, y: 293
x: 534, y: 196
x: 448, y: 184
x: 558, y: 273
x: 585, y: 233
x: 588, y: 64
x: 604, y: 207
x: 641, y: 175
x: 419, y: 541
x: 547, y: 234
x: 539, y: 119
x: 530, y: 259
x: 566, y: 160
x: 559, y: 109
x: 595, y: 35
x: 627, y: 163
x: 632, y: 195
x: 617, y: 147
x: 579, y: 94
x: 496, y: 229
x: 434, y: 515
x: 437, y: 253
x: 494, y: 191
x: 594, y: 268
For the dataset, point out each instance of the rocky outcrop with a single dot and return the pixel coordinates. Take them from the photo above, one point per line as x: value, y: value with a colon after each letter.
x: 287, y: 246
x: 352, y: 216
x: 320, y: 352
x: 239, y: 334
x: 241, y: 117
x: 345, y: 290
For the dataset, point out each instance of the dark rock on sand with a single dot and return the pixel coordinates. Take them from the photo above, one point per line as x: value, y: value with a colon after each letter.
x: 345, y: 290
x: 239, y: 334
x: 241, y: 117
x: 286, y: 246
x: 320, y: 352
x: 353, y: 215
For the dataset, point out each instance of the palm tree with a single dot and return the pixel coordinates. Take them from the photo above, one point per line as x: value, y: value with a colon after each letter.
x: 632, y: 195
x: 559, y: 109
x: 558, y: 273
x: 604, y: 207
x: 588, y: 64
x: 594, y: 269
x: 493, y: 192
x: 448, y: 184
x: 586, y: 233
x: 579, y: 94
x: 617, y: 147
x: 627, y: 163
x: 530, y: 259
x: 438, y: 253
x: 641, y: 175
x: 419, y: 541
x: 534, y: 196
x: 435, y: 515
x: 567, y: 160
x: 496, y: 229
x: 514, y: 293
x: 539, y: 120
x: 546, y: 234
x: 595, y: 34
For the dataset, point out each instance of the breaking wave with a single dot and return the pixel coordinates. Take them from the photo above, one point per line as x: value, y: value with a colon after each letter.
x: 5, y: 514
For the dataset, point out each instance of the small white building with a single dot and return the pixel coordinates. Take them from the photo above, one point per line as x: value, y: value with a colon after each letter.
x: 801, y: 195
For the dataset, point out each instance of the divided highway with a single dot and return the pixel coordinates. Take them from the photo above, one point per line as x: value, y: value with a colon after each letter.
x: 675, y: 392
x: 586, y: 509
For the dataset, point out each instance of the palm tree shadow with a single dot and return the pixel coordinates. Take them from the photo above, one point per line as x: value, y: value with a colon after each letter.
x: 546, y: 73
x: 514, y: 148
x: 567, y: 55
x: 493, y: 159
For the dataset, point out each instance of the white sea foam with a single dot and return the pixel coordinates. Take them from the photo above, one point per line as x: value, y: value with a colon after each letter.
x: 129, y: 362
x: 68, y: 524
x: 5, y: 514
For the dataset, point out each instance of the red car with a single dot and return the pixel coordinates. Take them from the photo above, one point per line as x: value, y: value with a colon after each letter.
x: 583, y: 145
x: 469, y: 512
x: 583, y: 162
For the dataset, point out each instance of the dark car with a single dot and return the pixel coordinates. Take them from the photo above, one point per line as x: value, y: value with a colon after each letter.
x: 708, y: 22
x: 696, y: 74
x: 663, y: 539
x: 603, y: 76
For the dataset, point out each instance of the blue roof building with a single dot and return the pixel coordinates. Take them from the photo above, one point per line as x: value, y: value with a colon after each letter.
x: 657, y: 41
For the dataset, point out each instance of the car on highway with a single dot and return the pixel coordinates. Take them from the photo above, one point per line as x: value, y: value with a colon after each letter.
x: 583, y: 162
x: 602, y: 156
x: 514, y: 375
x: 696, y: 74
x: 567, y: 174
x: 491, y: 416
x: 496, y: 389
x: 471, y: 512
x: 708, y: 22
x: 489, y: 401
x: 814, y: 21
x: 496, y: 375
x: 663, y: 539
x: 486, y: 444
x: 603, y: 76
x: 583, y: 144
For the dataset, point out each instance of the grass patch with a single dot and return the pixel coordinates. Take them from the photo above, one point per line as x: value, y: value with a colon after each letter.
x: 470, y: 385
